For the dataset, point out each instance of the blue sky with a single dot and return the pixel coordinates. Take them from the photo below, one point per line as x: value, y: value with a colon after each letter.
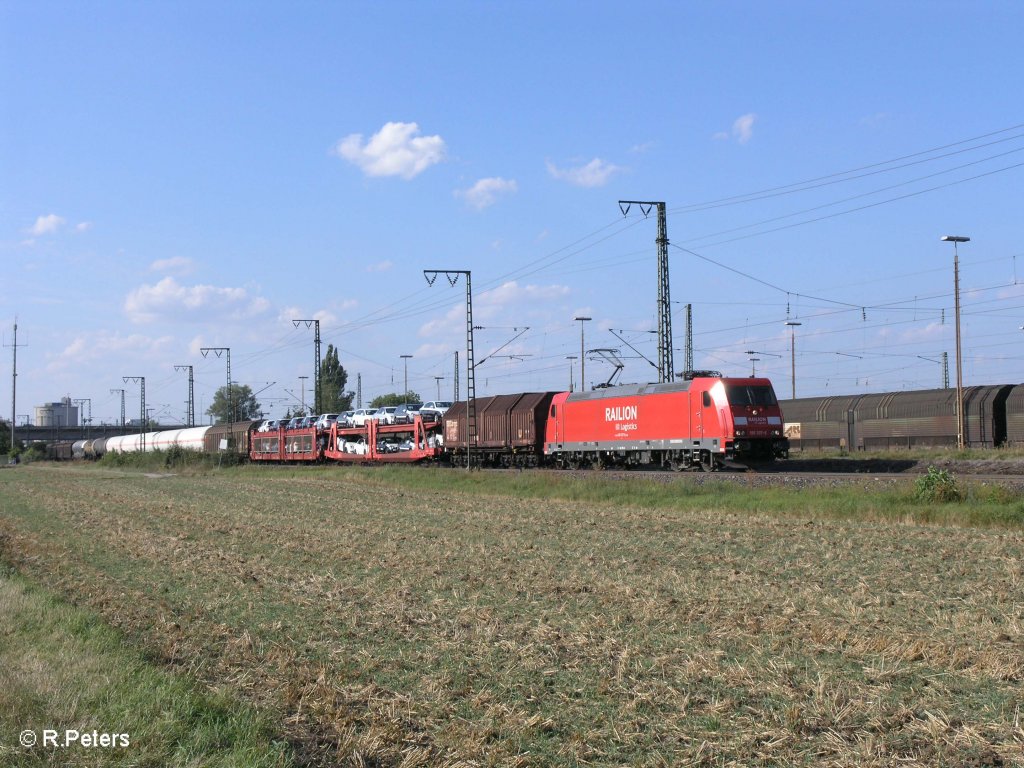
x: 186, y: 175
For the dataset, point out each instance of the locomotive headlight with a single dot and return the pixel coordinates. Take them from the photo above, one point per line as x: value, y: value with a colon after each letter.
x: 740, y: 433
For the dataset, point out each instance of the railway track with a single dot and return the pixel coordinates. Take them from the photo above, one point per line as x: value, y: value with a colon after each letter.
x: 807, y: 474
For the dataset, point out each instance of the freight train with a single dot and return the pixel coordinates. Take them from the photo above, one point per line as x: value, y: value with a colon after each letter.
x: 993, y: 417
x: 704, y: 421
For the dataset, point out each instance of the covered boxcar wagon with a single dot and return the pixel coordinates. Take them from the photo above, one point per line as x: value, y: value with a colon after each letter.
x: 898, y: 420
x: 510, y: 430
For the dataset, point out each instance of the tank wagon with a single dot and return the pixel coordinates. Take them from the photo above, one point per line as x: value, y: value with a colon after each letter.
x: 94, y: 449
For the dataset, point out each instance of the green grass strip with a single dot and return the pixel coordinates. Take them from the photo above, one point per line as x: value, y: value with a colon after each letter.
x: 63, y: 671
x: 898, y: 501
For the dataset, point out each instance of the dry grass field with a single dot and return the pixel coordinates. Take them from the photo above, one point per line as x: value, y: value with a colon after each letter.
x: 381, y: 623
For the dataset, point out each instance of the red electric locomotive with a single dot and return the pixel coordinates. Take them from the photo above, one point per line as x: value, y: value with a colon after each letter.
x: 703, y: 421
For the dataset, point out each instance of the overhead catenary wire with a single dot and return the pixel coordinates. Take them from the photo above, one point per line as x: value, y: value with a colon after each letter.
x: 772, y: 220
x: 586, y: 242
x: 841, y: 176
x: 419, y: 304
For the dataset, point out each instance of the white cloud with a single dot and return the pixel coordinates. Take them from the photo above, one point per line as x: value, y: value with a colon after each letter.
x: 83, y: 226
x: 179, y: 265
x: 492, y: 304
x: 742, y: 129
x: 46, y: 224
x: 433, y: 350
x: 169, y: 300
x: 931, y: 332
x: 511, y: 293
x: 596, y: 173
x: 289, y: 315
x: 102, y: 346
x: 486, y: 191
x: 1014, y: 291
x: 380, y: 266
x: 395, y: 150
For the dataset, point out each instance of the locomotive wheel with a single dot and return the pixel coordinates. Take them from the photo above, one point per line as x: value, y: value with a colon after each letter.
x: 707, y: 464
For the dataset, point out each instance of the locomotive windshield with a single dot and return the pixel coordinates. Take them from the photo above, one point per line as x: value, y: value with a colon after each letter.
x: 751, y: 395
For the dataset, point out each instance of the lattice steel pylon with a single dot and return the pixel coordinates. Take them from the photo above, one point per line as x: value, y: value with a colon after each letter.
x: 317, y: 398
x: 218, y: 351
x: 86, y: 401
x: 666, y: 370
x: 452, y: 276
x: 190, y: 415
x: 114, y: 392
x: 141, y: 381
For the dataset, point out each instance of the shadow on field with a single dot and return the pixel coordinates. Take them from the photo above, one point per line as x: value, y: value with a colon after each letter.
x: 850, y: 465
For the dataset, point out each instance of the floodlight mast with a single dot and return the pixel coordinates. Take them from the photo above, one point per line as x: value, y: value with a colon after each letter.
x: 452, y: 275
x: 792, y: 352
x: 405, y: 360
x: 954, y: 239
x: 14, y: 385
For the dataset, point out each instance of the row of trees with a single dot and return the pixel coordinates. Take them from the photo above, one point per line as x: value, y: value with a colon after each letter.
x: 240, y: 404
x: 394, y: 398
x: 5, y: 437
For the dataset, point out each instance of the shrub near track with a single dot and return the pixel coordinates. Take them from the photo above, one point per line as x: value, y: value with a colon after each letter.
x: 380, y: 620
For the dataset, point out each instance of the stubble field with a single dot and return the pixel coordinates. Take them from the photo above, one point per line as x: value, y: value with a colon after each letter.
x: 377, y: 622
